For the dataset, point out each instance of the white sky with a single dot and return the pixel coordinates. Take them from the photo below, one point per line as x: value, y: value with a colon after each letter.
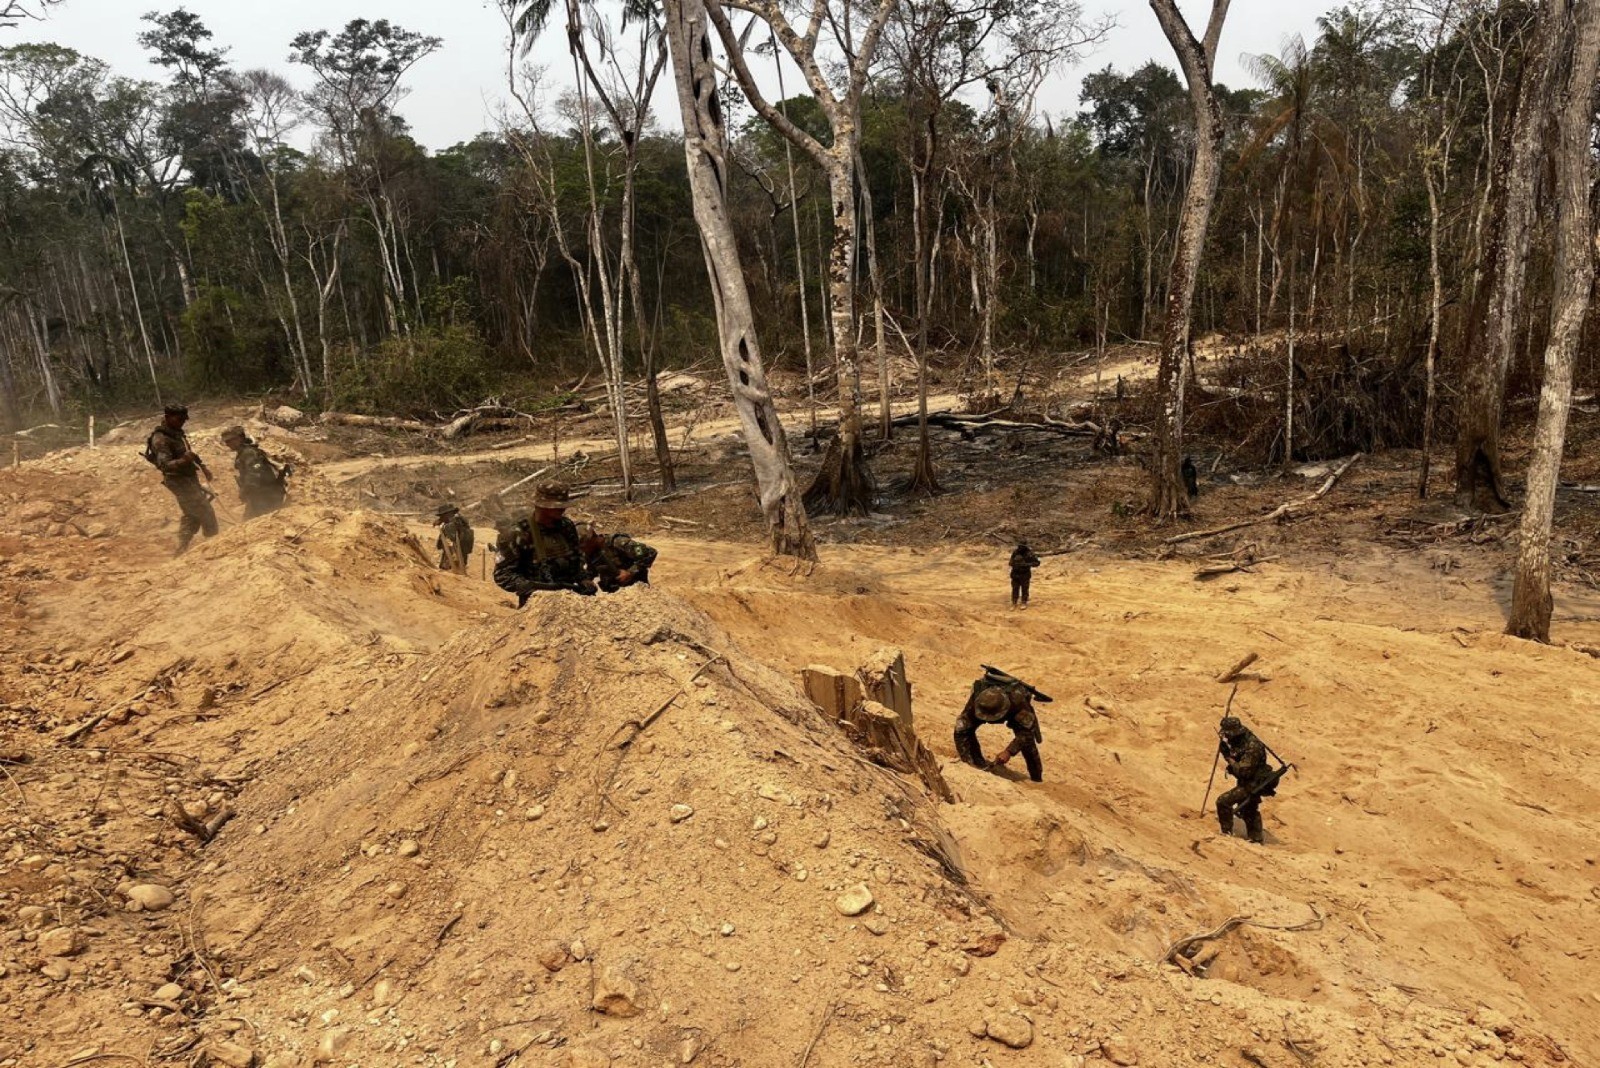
x: 455, y: 92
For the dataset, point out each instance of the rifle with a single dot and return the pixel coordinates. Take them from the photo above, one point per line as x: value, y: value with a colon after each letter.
x: 1269, y: 781
x: 994, y: 674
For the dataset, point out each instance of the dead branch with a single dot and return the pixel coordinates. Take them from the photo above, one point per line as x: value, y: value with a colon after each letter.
x: 1283, y: 511
x: 382, y: 422
x: 83, y: 729
x: 1182, y: 945
x: 1233, y: 672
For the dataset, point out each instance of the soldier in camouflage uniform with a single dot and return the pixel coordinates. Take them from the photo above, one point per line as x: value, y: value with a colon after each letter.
x: 1023, y: 561
x: 1246, y: 759
x: 997, y: 702
x: 260, y: 480
x: 181, y: 467
x: 541, y: 552
x: 455, y: 539
x: 616, y: 560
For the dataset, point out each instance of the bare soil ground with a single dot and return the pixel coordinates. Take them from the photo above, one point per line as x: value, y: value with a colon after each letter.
x: 612, y: 831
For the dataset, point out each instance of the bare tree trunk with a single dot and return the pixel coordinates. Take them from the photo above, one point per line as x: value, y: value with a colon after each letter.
x: 923, y: 477
x: 705, y: 147
x: 885, y: 415
x: 1435, y: 315
x: 1484, y: 377
x: 1576, y: 246
x: 844, y: 484
x: 1168, y: 499
x: 133, y: 294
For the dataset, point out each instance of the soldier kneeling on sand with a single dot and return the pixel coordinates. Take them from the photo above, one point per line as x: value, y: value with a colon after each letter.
x: 615, y: 560
x: 999, y: 698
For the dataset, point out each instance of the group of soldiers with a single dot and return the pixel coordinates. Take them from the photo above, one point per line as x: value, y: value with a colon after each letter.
x: 548, y: 552
x: 1001, y: 698
x: 263, y: 485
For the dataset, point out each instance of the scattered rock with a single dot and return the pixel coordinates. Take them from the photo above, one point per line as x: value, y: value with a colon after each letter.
x: 384, y: 993
x: 150, y: 897
x: 689, y: 1049
x: 771, y: 793
x: 615, y: 994
x: 62, y: 942
x: 34, y: 863
x: 55, y: 970
x: 409, y: 848
x: 876, y: 924
x: 587, y: 1057
x: 32, y: 915
x: 680, y: 813
x: 231, y: 1053
x: 169, y: 992
x: 1119, y: 1050
x: 1013, y: 1031
x: 553, y: 957
x: 1493, y: 1020
x: 854, y: 901
x: 395, y: 891
x: 535, y: 812
x: 285, y: 416
x: 578, y: 950
x: 334, y: 1042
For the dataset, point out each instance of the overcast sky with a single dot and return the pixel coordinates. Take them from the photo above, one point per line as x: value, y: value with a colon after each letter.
x: 455, y: 92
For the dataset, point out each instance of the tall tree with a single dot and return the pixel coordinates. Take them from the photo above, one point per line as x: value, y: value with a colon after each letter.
x: 1577, y: 244
x: 705, y: 148
x: 845, y: 484
x: 1168, y: 500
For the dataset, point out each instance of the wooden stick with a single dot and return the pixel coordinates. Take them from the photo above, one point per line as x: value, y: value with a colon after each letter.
x: 1283, y: 511
x: 1233, y: 672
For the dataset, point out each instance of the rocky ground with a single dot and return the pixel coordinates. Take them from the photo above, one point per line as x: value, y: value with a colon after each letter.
x: 299, y: 798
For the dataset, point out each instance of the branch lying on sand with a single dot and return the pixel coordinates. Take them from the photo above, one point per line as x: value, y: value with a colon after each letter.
x: 1232, y: 922
x: 1283, y: 511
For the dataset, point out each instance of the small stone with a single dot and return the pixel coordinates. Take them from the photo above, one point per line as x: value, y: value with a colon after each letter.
x: 231, y: 1053
x: 1119, y: 1050
x: 876, y: 924
x: 56, y: 971
x: 823, y: 839
x: 680, y: 813
x: 1013, y: 1031
x: 334, y: 1042
x: 553, y: 957
x: 578, y: 950
x: 395, y: 891
x: 384, y: 993
x: 854, y: 901
x: 587, y: 1057
x: 62, y: 942
x: 534, y: 812
x: 771, y: 793
x: 34, y: 864
x: 727, y: 930
x: 978, y: 1028
x: 615, y: 994
x: 32, y: 915
x: 169, y: 992
x: 688, y: 1049
x: 409, y: 848
x: 151, y: 897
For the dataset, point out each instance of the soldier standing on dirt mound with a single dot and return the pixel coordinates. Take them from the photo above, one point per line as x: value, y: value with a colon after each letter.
x: 615, y: 560
x: 1000, y: 698
x: 261, y: 482
x: 1253, y: 777
x: 1023, y: 561
x: 455, y: 539
x: 168, y: 449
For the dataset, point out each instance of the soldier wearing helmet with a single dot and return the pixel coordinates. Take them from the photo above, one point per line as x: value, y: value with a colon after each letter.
x: 168, y: 449
x: 995, y: 701
x: 261, y: 482
x: 455, y: 539
x: 1246, y: 759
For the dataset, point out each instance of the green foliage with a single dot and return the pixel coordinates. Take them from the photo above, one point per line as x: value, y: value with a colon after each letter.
x: 432, y: 371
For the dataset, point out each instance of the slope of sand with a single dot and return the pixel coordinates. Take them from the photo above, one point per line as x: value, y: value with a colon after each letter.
x: 611, y: 831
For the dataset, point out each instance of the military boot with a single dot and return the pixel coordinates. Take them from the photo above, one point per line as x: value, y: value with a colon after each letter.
x: 1254, y: 832
x: 1226, y: 823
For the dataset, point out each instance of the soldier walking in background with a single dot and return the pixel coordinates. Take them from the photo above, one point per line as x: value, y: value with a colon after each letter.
x: 168, y: 449
x: 1254, y: 778
x: 455, y: 539
x: 1023, y: 561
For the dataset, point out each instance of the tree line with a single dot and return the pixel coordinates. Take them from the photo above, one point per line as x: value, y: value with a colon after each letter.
x: 1386, y: 227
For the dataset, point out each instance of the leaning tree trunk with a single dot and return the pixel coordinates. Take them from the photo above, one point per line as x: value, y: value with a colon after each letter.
x: 705, y: 144
x: 923, y: 477
x: 844, y: 484
x: 1574, y: 281
x: 1484, y: 378
x: 1168, y: 500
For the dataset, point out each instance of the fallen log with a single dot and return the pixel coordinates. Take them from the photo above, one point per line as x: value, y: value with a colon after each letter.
x: 382, y: 422
x: 1283, y: 511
